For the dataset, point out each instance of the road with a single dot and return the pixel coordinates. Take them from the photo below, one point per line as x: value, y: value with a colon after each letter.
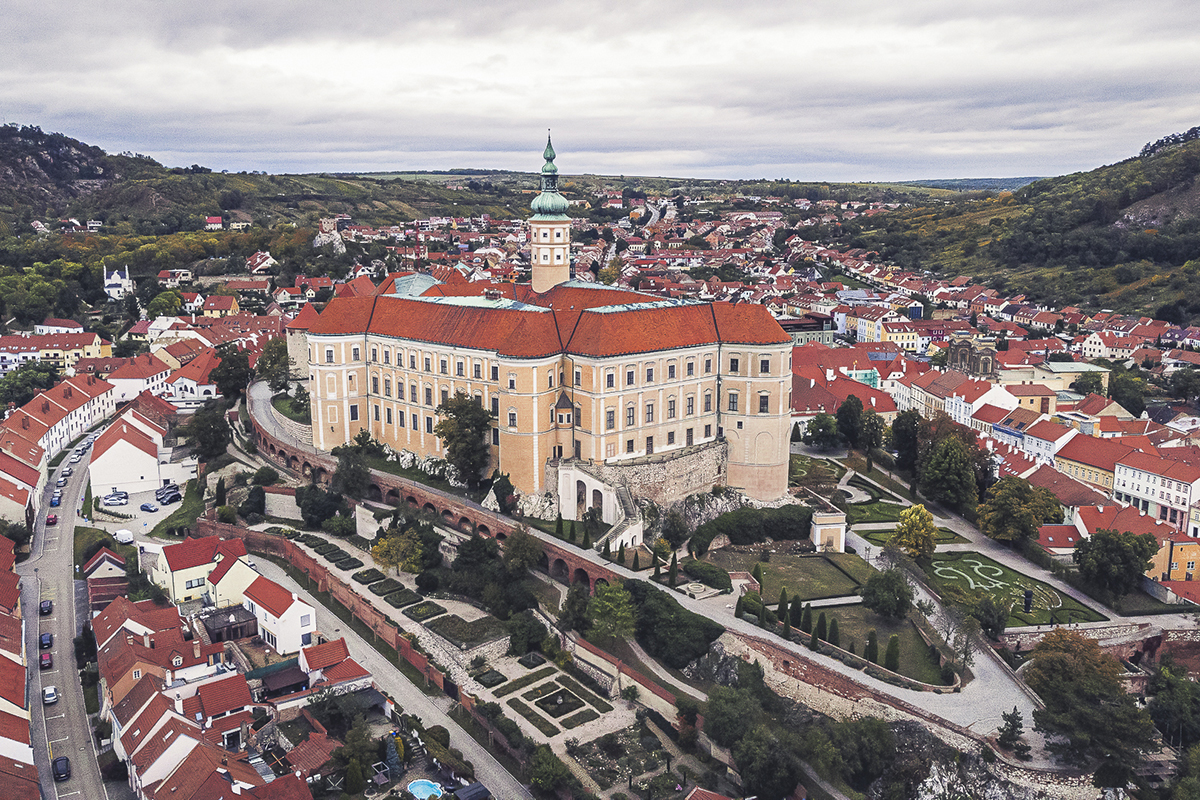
x: 61, y: 729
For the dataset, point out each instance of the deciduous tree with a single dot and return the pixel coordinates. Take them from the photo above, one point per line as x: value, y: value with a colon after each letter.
x: 273, y: 365
x: 522, y: 550
x: 822, y: 432
x: 887, y: 593
x: 233, y: 373
x: 849, y: 420
x: 1115, y: 561
x: 915, y: 533
x: 1015, y: 509
x: 947, y: 476
x: 463, y: 428
x: 610, y: 612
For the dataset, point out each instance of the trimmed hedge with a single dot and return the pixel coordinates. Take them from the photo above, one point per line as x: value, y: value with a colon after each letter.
x: 587, y: 696
x: 708, y: 574
x: 491, y: 679
x: 423, y: 611
x: 348, y: 563
x: 336, y: 554
x: 402, y: 598
x: 753, y: 525
x: 535, y: 719
x: 587, y: 715
x: 367, y: 576
x: 528, y: 680
x: 385, y: 587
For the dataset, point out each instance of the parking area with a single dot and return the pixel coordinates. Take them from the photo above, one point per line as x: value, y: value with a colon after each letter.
x: 141, y: 522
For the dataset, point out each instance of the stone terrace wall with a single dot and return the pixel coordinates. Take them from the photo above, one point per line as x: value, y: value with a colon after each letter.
x: 670, y: 477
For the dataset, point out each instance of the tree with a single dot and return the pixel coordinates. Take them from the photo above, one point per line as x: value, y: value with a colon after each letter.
x: 1115, y: 562
x: 547, y: 772
x: 522, y: 550
x: 23, y: 383
x: 822, y: 631
x: 233, y: 373
x: 273, y: 365
x: 905, y: 438
x: 915, y: 533
x: 610, y: 612
x: 767, y: 762
x: 399, y: 549
x: 871, y: 434
x: 219, y: 493
x: 1088, y: 383
x: 822, y: 432
x: 1128, y: 390
x: 887, y: 593
x: 871, y: 651
x: 947, y: 476
x: 164, y: 304
x: 730, y: 714
x: 355, y: 782
x: 208, y: 431
x: 574, y: 612
x: 675, y: 528
x: 352, y: 476
x: 891, y: 658
x: 1089, y: 715
x: 849, y: 419
x: 835, y: 635
x: 1015, y: 509
x: 673, y: 572
x: 1185, y: 383
x: 463, y: 429
x: 806, y: 622
x: 992, y: 616
x: 394, y: 757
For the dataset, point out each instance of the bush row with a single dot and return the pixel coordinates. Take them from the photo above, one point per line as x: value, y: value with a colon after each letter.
x: 708, y: 574
x: 752, y: 525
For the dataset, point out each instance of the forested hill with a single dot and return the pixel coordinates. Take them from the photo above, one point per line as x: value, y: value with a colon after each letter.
x: 49, y: 176
x: 1124, y: 236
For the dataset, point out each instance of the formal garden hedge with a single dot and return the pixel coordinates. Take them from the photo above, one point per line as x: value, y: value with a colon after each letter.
x: 424, y: 611
x: 368, y: 576
x: 471, y: 634
x: 753, y: 525
x: 402, y: 598
x: 349, y: 563
x: 708, y: 574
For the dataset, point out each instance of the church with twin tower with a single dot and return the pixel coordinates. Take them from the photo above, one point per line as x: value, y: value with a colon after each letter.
x: 591, y: 387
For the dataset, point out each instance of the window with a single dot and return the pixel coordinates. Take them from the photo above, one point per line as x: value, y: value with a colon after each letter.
x: 649, y: 413
x: 690, y: 437
x: 649, y: 374
x: 690, y: 406
x: 354, y: 354
x: 496, y: 373
x: 495, y: 406
x: 629, y: 445
x: 387, y: 357
x: 495, y: 436
x: 354, y: 412
x: 429, y: 424
x: 428, y: 395
x: 629, y: 377
x: 195, y: 583
x: 177, y: 661
x: 578, y: 378
x: 610, y: 380
x: 387, y: 387
x: 414, y: 422
x: 733, y: 402
x: 707, y: 365
x: 478, y: 371
x: 444, y: 367
x: 671, y: 408
x: 610, y: 419
x: 428, y: 365
x: 670, y: 371
x: 389, y: 417
x: 610, y: 450
x: 329, y: 356
x: 550, y: 380
x: 412, y: 362
x: 400, y: 419
x: 399, y: 390
x: 137, y: 674
x: 374, y: 384
x: 691, y: 368
x: 512, y: 382
x: 377, y: 413
x: 412, y: 392
x: 305, y: 620
x: 670, y: 437
x: 374, y: 353
x: 649, y: 445
x: 733, y: 365
x: 458, y: 369
x: 629, y: 417
x: 764, y: 403
x: 707, y: 402
x: 764, y: 366
x: 1191, y: 565
x: 512, y: 419
x: 707, y: 431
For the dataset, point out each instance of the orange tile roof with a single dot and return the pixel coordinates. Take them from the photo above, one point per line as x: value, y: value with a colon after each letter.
x: 270, y: 595
x: 225, y: 695
x: 140, y: 368
x: 131, y: 705
x: 20, y: 780
x: 12, y: 682
x: 347, y: 670
x: 192, y: 552
x: 10, y: 591
x: 101, y: 555
x: 15, y: 728
x: 10, y: 633
x: 122, y: 431
x: 304, y: 319
x: 320, y: 656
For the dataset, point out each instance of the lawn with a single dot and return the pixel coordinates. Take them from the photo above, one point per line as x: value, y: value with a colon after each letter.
x: 85, y: 537
x: 975, y: 572
x: 861, y: 483
x: 559, y: 704
x: 189, y: 509
x: 283, y: 404
x: 944, y: 536
x: 859, y: 464
x: 537, y: 720
x: 806, y: 471
x: 807, y: 577
x: 463, y: 634
x: 857, y: 513
x: 856, y: 621
x: 528, y: 680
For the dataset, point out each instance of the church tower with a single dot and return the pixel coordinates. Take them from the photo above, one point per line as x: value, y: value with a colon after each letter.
x: 549, y: 230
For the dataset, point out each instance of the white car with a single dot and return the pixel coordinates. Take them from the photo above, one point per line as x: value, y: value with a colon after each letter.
x: 49, y: 695
x: 123, y: 537
x: 112, y: 500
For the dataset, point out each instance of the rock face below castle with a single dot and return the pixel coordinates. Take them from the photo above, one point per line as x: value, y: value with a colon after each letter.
x: 331, y: 238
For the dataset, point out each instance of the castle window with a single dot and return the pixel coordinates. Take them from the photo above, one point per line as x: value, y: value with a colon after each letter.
x: 412, y: 362
x: 512, y: 419
x: 354, y: 412
x: 428, y: 364
x: 495, y: 373
x: 478, y: 371
x: 387, y: 356
x: 375, y: 384
x: 690, y: 405
x: 764, y: 366
x: 429, y: 424
x: 387, y: 387
x: 733, y: 365
x: 399, y: 390
x: 629, y: 377
x: 670, y: 371
x: 649, y: 374
x: 733, y: 402
x: 649, y: 445
x: 495, y: 436
x: 550, y: 379
x: 458, y: 369
x: 578, y: 378
x: 764, y: 403
x: 328, y: 356
x: 389, y: 417
x: 412, y: 392
x: 428, y: 395
x: 670, y: 437
x: 495, y: 406
x: 610, y: 380
x: 610, y: 419
x: 691, y: 368
x: 707, y: 403
x: 707, y: 431
x: 445, y: 396
x: 629, y: 417
x: 558, y: 234
x: 629, y: 445
x: 414, y: 422
x: 671, y: 408
x: 444, y: 367
x: 354, y: 354
x: 649, y: 413
x: 374, y: 354
x: 377, y: 413
x: 707, y: 366
x: 512, y: 382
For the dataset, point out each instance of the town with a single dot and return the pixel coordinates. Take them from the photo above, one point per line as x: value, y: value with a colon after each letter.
x: 485, y: 507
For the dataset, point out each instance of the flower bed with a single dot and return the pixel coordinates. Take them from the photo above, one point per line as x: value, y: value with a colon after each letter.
x: 348, y: 563
x: 463, y: 634
x: 528, y: 680
x: 559, y: 704
x: 491, y: 678
x: 402, y: 598
x: 325, y: 547
x: 537, y: 720
x: 424, y: 611
x: 385, y: 587
x: 368, y: 576
x: 336, y: 554
x: 531, y: 660
x: 588, y: 697
x: 587, y: 715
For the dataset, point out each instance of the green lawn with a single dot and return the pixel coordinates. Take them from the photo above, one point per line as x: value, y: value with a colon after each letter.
x: 85, y: 537
x: 856, y: 462
x: 806, y: 471
x: 807, y: 577
x: 976, y: 572
x: 191, y: 507
x: 944, y: 536
x: 283, y: 404
x: 857, y: 513
x: 856, y: 621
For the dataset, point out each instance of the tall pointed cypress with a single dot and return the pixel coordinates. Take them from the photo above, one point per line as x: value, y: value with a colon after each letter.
x: 607, y: 549
x: 806, y: 620
x: 782, y: 608
x: 657, y: 567
x: 558, y: 527
x: 797, y: 612
x: 871, y: 653
x: 835, y: 636
x: 673, y: 572
x: 637, y: 562
x: 587, y: 539
x: 571, y: 536
x: 621, y: 554
x: 822, y: 629
x: 738, y: 610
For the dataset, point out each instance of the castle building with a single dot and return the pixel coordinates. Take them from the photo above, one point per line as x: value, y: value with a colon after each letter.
x: 666, y: 397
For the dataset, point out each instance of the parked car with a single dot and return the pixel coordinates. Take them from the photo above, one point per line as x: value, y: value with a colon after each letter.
x: 163, y: 491
x: 61, y: 767
x: 46, y: 661
x: 113, y: 500
x: 68, y: 472
x: 171, y: 498
x: 123, y: 537
x: 46, y: 607
x: 55, y: 501
x: 46, y: 641
x: 75, y: 459
x: 52, y: 519
x: 148, y: 507
x: 118, y: 493
x: 49, y: 695
x: 61, y: 481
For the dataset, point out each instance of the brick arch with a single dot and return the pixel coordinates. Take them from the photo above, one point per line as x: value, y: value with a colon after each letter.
x: 392, y: 497
x: 374, y: 493
x: 559, y: 570
x: 466, y: 525
x: 580, y: 576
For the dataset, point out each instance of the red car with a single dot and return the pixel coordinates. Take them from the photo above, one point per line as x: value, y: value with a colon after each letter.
x: 46, y: 661
x: 52, y: 519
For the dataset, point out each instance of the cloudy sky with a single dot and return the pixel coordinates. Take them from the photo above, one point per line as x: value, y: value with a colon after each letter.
x: 811, y: 91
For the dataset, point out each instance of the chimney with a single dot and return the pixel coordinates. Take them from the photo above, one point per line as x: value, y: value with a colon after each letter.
x: 145, y: 640
x: 195, y: 648
x: 178, y: 704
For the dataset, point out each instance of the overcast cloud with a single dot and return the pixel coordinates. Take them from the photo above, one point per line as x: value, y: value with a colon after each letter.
x: 811, y: 91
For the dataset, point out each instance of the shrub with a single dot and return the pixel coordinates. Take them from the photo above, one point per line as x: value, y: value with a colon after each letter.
x: 368, y: 576
x: 349, y: 563
x: 402, y: 598
x: 385, y: 587
x: 339, y: 526
x: 439, y: 734
x: 666, y: 629
x: 752, y: 525
x: 708, y: 574
x: 227, y: 514
x: 427, y: 582
x: 256, y: 502
x: 265, y: 476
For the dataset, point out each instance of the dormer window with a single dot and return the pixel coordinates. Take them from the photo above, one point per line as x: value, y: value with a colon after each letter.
x: 177, y: 661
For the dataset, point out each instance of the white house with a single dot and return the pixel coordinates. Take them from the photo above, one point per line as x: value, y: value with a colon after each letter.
x: 285, y: 622
x: 1044, y: 438
x: 1157, y: 486
x: 143, y: 373
x: 52, y: 325
x: 130, y: 456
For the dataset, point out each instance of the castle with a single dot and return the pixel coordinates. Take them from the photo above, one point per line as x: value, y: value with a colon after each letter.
x: 590, y: 387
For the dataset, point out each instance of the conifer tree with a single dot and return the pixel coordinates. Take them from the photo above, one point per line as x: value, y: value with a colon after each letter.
x: 621, y: 554
x: 850, y: 648
x: 657, y: 567
x: 835, y: 636
x: 636, y: 561
x: 571, y: 535
x: 797, y: 612
x: 891, y: 659
x: 673, y: 572
x: 587, y: 539
x: 822, y: 629
x: 738, y: 609
x: 219, y: 493
x: 782, y: 608
x: 871, y: 653
x: 607, y: 549
x: 806, y: 620
x: 756, y: 573
x: 787, y: 627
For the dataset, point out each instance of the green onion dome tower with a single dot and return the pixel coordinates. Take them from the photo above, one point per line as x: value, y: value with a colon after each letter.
x: 549, y: 230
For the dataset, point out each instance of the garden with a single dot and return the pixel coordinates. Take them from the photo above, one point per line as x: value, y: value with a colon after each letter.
x: 809, y: 577
x: 467, y: 635
x: 622, y: 757
x: 974, y: 573
x: 810, y: 472
x: 943, y: 536
x: 855, y: 623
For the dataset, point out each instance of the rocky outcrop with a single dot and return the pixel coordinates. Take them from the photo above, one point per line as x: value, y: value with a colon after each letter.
x: 435, y: 467
x: 333, y: 238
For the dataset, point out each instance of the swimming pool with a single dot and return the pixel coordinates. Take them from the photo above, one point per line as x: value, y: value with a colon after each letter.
x: 423, y: 789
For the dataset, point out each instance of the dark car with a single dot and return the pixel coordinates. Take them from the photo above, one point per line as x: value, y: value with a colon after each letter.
x: 46, y: 641
x: 171, y: 498
x: 52, y: 519
x: 148, y: 507
x: 61, y: 767
x: 47, y: 607
x: 55, y: 502
x: 46, y: 661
